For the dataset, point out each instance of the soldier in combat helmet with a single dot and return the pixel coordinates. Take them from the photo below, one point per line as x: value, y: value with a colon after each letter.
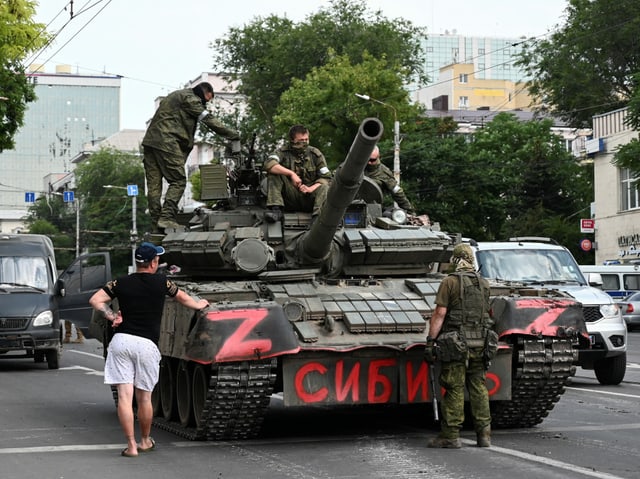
x: 298, y: 177
x: 461, y: 338
x: 384, y: 178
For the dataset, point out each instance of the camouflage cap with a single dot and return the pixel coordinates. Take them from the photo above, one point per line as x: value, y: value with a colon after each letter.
x: 463, y: 251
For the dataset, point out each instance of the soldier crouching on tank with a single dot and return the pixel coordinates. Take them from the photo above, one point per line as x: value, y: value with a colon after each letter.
x: 461, y: 338
x: 386, y: 181
x: 298, y: 177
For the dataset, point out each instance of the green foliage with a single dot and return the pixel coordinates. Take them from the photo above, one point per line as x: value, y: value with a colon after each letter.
x: 326, y: 103
x: 106, y: 214
x: 269, y: 54
x: 19, y: 37
x: 584, y: 68
x: 510, y: 179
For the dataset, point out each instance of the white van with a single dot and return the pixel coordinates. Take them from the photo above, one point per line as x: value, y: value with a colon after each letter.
x: 618, y: 280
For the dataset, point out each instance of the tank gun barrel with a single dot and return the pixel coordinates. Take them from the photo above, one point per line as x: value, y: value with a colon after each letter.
x: 316, y: 243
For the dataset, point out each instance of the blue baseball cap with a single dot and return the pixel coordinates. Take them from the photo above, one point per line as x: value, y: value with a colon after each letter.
x: 147, y: 251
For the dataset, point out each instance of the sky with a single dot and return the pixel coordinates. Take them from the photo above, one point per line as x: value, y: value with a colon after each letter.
x: 158, y: 46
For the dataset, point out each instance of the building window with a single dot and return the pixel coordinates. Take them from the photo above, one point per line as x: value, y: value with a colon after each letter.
x: 429, y: 49
x: 630, y: 199
x: 480, y: 51
x: 464, y: 102
x: 464, y: 78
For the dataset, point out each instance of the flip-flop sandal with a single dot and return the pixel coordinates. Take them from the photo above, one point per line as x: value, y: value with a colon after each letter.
x: 125, y: 453
x: 148, y: 449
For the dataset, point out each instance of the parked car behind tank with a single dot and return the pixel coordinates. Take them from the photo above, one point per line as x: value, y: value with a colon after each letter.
x: 630, y: 307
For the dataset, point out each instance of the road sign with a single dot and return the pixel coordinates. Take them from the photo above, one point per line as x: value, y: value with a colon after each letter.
x: 67, y: 196
x: 132, y: 190
x: 586, y: 245
x: 587, y: 226
x: 29, y: 197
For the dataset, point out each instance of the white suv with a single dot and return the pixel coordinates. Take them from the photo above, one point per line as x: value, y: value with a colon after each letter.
x: 542, y: 262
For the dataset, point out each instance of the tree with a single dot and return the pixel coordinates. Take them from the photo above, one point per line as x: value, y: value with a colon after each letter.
x: 105, y: 213
x: 585, y: 67
x: 267, y: 54
x: 19, y: 36
x: 511, y: 178
x: 325, y: 102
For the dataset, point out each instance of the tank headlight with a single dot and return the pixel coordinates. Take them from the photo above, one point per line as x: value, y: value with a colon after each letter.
x: 609, y: 310
x: 399, y: 216
x: 44, y: 319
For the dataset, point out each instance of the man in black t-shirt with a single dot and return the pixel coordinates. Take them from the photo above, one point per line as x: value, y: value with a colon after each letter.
x: 133, y: 359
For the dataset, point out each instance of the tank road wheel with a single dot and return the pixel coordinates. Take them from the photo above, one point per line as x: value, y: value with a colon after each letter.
x: 183, y: 393
x: 199, y: 393
x: 167, y: 389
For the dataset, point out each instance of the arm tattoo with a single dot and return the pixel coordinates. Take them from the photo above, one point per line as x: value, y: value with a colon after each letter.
x: 107, y: 312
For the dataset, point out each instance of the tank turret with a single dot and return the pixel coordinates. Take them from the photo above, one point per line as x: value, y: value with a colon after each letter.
x: 350, y: 236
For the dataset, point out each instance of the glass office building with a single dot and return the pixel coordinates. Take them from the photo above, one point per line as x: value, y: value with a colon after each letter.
x: 71, y: 111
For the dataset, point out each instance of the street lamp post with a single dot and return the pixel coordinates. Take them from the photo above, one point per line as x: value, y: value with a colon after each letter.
x: 396, y: 135
x: 132, y: 190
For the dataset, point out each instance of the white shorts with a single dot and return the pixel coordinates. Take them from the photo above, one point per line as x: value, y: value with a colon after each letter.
x: 132, y: 360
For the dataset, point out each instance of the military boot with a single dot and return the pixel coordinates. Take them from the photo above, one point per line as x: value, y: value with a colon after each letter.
x: 273, y: 214
x: 484, y: 437
x: 443, y: 442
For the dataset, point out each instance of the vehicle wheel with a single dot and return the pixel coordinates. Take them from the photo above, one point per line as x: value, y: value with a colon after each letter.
x: 611, y: 371
x: 167, y: 389
x: 53, y: 358
x: 199, y: 394
x: 183, y: 394
x: 38, y: 356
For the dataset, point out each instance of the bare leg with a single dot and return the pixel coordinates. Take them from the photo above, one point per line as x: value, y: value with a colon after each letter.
x: 126, y: 416
x: 145, y: 416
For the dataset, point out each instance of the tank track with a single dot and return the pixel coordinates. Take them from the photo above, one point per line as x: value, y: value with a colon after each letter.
x: 541, y: 370
x: 235, y: 403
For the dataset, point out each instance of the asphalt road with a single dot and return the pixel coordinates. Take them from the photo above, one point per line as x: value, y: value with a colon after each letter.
x: 62, y: 424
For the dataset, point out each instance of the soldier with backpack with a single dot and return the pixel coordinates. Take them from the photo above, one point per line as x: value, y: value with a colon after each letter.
x: 462, y: 340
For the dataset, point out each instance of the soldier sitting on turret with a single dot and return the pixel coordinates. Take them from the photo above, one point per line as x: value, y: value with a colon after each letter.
x: 298, y: 177
x: 385, y: 180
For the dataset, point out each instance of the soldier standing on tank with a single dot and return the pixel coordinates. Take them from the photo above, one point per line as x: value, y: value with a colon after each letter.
x: 459, y: 330
x: 384, y: 178
x: 298, y: 177
x: 133, y: 359
x: 167, y: 144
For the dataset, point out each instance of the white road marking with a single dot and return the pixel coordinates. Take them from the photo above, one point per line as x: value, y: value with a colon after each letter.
x: 609, y: 393
x: 547, y: 461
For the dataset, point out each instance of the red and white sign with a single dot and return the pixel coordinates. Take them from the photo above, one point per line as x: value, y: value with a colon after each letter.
x: 587, y: 226
x: 586, y: 245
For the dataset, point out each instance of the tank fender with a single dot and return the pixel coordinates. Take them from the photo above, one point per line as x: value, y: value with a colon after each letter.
x: 537, y: 316
x: 238, y: 333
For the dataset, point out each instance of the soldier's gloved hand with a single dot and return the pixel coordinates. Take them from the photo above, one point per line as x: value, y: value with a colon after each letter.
x: 431, y: 350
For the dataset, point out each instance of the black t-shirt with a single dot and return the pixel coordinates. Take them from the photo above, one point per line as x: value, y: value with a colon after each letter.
x: 141, y: 300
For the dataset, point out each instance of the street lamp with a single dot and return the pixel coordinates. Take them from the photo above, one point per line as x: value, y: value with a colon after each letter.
x: 132, y: 190
x: 396, y: 135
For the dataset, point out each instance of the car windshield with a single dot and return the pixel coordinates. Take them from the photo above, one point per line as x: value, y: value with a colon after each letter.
x: 529, y: 265
x: 21, y: 271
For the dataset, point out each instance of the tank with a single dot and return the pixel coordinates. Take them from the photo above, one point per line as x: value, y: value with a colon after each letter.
x: 330, y: 312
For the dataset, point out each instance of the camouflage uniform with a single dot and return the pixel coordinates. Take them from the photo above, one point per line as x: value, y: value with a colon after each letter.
x: 167, y: 144
x: 467, y: 314
x: 310, y: 165
x: 384, y: 178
